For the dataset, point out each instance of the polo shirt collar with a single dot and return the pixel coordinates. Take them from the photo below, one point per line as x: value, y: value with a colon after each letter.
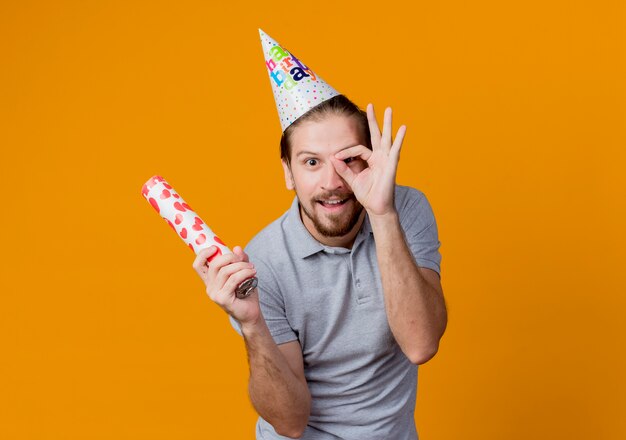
x: 366, y: 227
x: 305, y: 244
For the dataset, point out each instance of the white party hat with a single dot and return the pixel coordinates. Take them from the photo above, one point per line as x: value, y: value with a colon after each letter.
x: 297, y: 89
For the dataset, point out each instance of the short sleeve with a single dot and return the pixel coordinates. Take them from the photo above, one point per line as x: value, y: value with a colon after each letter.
x: 271, y: 302
x: 420, y: 229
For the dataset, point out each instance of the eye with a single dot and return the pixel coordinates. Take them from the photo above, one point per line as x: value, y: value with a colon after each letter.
x: 348, y: 160
x: 311, y: 162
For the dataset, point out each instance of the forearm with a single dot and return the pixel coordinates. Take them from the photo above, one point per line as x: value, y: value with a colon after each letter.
x: 275, y: 391
x: 415, y: 310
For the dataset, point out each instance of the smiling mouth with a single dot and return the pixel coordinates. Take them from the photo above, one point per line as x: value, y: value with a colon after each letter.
x: 334, y: 203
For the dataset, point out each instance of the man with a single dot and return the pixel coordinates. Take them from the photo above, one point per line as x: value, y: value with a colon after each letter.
x: 349, y: 300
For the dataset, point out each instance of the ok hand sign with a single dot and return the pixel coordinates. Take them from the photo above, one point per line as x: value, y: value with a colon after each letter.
x: 374, y: 186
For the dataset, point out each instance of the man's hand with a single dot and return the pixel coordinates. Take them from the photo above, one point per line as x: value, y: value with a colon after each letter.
x: 374, y: 186
x: 278, y: 390
x: 222, y: 276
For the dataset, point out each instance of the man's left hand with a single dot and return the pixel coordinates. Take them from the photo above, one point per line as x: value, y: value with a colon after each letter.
x: 374, y: 186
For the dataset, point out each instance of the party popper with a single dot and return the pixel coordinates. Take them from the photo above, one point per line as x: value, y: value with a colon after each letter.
x: 187, y: 224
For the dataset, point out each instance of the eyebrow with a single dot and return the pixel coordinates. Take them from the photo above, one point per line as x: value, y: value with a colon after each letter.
x: 306, y: 152
x: 312, y: 153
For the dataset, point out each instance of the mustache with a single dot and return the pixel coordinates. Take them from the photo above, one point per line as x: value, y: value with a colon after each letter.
x: 340, y: 195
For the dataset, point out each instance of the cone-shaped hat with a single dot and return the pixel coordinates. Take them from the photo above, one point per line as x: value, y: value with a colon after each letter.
x: 297, y: 89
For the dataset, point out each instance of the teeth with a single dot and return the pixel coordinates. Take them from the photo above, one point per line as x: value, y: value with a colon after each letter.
x: 333, y: 202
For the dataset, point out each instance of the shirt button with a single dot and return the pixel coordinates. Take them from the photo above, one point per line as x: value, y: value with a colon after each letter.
x: 358, y: 284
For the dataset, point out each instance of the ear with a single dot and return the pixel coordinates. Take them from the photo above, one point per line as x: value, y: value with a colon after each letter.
x: 288, y: 176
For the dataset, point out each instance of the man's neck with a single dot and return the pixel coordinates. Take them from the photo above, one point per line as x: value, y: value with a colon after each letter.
x: 345, y: 241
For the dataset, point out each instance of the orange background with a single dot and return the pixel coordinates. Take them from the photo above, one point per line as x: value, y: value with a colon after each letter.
x: 516, y: 116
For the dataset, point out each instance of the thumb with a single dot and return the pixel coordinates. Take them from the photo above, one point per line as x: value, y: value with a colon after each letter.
x: 237, y: 250
x: 210, y: 253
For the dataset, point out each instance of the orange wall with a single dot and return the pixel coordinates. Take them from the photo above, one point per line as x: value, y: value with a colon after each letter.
x: 516, y: 118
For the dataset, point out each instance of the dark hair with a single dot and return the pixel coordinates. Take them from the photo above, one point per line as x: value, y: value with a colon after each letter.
x: 337, y: 105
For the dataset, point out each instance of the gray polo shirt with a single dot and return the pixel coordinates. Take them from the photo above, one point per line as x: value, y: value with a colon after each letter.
x: 330, y: 299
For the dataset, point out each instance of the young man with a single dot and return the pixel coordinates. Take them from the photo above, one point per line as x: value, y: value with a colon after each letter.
x: 349, y: 300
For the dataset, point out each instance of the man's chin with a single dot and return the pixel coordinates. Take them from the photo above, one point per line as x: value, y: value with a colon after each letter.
x: 337, y: 225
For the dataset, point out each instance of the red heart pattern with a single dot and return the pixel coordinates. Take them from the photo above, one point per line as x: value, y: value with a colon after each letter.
x: 165, y: 192
x: 153, y: 181
x: 154, y: 204
x: 197, y: 224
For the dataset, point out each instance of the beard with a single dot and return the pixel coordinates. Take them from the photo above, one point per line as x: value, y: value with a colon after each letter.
x: 334, y: 225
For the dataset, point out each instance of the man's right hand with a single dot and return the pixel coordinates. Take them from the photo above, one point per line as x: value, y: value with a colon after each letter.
x: 278, y: 387
x: 222, y: 276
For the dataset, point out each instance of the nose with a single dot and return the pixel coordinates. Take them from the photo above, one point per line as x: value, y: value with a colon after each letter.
x: 332, y: 181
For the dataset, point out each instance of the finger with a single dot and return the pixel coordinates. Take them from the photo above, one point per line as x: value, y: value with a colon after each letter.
x: 386, y: 137
x: 373, y: 126
x: 218, y: 262
x: 357, y: 151
x: 227, y: 271
x: 199, y: 264
x: 343, y: 170
x: 397, y: 142
x: 236, y: 279
x: 239, y: 252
